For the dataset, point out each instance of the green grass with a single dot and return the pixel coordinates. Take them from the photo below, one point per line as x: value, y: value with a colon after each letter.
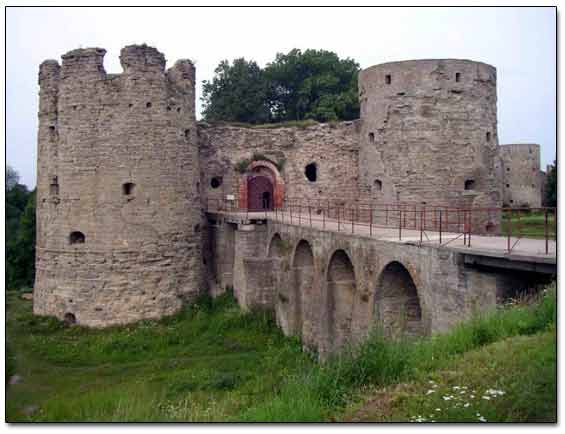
x: 513, y: 380
x: 528, y: 225
x: 328, y: 389
x: 211, y: 362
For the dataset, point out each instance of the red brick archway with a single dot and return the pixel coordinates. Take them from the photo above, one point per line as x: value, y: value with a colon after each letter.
x: 261, y: 169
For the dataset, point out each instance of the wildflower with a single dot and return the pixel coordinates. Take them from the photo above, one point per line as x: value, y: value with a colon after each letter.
x: 486, y: 397
x: 446, y: 398
x: 438, y: 409
x: 466, y: 405
x: 430, y: 391
x: 456, y: 388
x: 482, y: 419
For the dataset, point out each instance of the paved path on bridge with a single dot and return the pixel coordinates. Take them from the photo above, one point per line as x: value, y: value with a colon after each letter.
x: 528, y: 249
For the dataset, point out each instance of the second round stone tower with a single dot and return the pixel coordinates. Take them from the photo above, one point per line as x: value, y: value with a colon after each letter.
x: 118, y: 209
x: 429, y: 133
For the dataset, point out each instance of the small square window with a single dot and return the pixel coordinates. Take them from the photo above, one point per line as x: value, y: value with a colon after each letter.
x: 457, y: 77
x: 388, y: 79
x: 371, y: 137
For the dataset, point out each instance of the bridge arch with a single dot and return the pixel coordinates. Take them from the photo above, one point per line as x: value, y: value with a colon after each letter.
x: 341, y: 291
x: 303, y: 269
x: 398, y: 305
x: 275, y: 248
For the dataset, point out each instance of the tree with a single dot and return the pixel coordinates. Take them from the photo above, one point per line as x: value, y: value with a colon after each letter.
x: 20, y: 248
x: 238, y: 92
x: 551, y: 186
x: 12, y: 177
x: 314, y: 84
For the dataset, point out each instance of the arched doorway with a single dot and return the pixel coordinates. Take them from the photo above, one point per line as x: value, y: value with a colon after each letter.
x: 341, y: 295
x: 397, y: 305
x: 261, y: 187
x: 259, y: 193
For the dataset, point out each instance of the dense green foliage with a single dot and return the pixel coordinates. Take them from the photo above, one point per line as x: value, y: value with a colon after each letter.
x: 20, y: 234
x: 314, y: 84
x: 238, y: 92
x: 550, y: 198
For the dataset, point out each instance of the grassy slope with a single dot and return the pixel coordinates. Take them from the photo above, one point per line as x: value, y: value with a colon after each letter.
x: 326, y: 390
x: 208, y: 363
x: 531, y: 225
x: 513, y: 380
x: 212, y: 363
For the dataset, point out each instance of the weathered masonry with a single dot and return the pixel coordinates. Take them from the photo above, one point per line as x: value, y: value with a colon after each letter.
x: 140, y: 208
x: 331, y: 287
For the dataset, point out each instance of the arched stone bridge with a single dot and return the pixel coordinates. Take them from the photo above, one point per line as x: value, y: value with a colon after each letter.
x: 331, y: 287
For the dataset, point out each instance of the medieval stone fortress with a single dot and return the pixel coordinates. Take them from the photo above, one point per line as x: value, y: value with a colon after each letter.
x: 140, y: 208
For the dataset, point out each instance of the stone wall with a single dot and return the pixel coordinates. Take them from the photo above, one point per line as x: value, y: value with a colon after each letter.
x: 521, y: 175
x: 118, y: 215
x: 356, y: 283
x: 332, y: 147
x: 429, y: 132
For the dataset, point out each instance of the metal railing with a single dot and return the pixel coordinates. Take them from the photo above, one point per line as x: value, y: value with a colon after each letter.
x: 429, y: 223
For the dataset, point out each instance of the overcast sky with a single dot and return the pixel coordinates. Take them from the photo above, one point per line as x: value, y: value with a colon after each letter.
x: 519, y: 42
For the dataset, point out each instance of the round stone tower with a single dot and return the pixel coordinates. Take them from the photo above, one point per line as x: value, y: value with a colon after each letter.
x: 429, y: 133
x: 118, y: 209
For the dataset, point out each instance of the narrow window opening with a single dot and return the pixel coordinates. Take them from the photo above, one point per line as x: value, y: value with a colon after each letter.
x: 70, y: 318
x: 507, y: 185
x: 508, y: 169
x: 186, y: 134
x: 388, y: 79
x: 216, y: 181
x: 178, y: 110
x: 457, y: 77
x: 148, y: 105
x: 130, y: 105
x: 488, y: 136
x: 469, y: 184
x: 128, y: 188
x: 54, y: 186
x: 168, y: 108
x: 51, y: 128
x: 311, y: 172
x: 76, y: 237
x: 511, y: 201
x: 378, y: 185
x: 196, y: 228
x: 371, y: 137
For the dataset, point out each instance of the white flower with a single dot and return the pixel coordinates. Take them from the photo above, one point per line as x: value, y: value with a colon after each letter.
x: 471, y: 396
x: 456, y: 388
x: 482, y: 419
x: 438, y: 409
x: 446, y: 398
x: 466, y: 405
x: 486, y: 397
x: 430, y: 391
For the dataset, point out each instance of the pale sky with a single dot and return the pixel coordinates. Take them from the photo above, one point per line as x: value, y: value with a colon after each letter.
x: 519, y: 42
